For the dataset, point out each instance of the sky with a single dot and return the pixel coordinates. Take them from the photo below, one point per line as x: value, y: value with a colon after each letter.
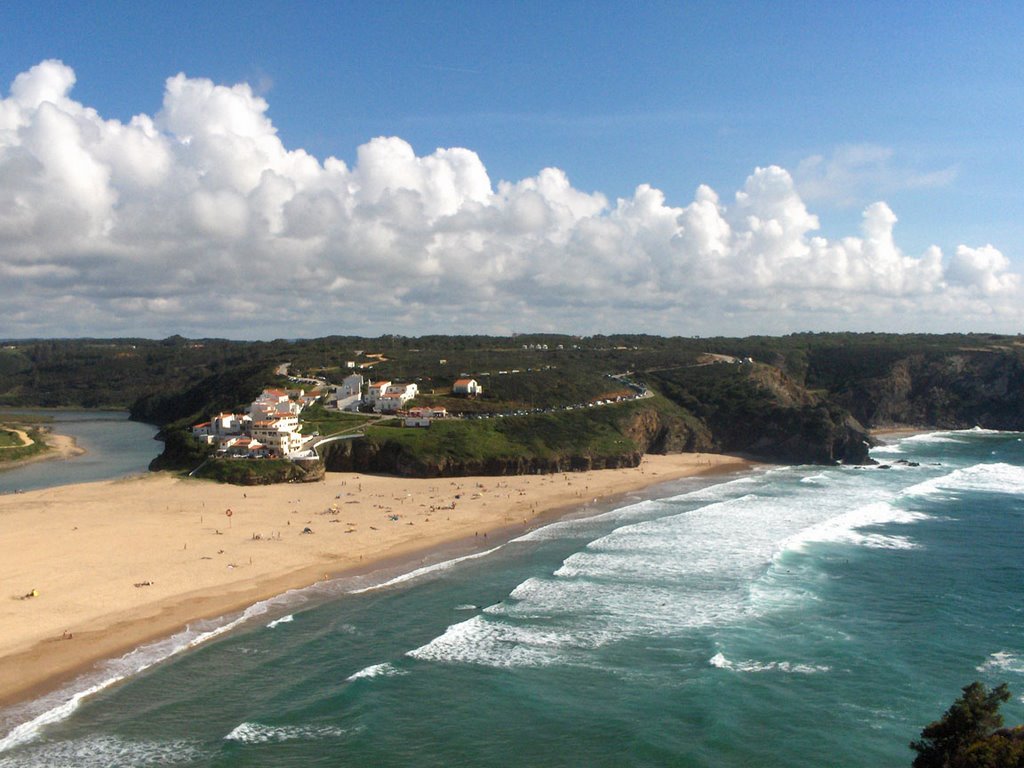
x: 270, y: 170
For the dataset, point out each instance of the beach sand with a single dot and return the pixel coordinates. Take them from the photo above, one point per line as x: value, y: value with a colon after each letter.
x: 119, y: 563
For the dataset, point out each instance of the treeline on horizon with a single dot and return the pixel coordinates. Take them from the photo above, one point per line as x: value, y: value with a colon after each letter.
x: 116, y: 372
x: 928, y: 379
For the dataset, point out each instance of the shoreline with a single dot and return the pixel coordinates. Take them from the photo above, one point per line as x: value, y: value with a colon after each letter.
x: 58, y: 446
x: 113, y: 571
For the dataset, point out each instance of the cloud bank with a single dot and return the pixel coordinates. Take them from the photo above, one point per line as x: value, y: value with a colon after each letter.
x: 199, y: 220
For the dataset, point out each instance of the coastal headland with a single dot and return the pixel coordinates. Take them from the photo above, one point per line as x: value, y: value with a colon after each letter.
x: 91, y: 571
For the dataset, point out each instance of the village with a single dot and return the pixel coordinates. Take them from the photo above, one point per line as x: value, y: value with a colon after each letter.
x: 271, y: 426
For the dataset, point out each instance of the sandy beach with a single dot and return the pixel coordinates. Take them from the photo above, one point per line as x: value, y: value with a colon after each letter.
x: 91, y: 571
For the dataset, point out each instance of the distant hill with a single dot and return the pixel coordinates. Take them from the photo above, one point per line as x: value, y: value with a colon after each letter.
x: 796, y: 398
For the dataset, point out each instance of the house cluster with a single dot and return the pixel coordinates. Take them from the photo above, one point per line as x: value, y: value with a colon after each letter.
x: 381, y: 396
x: 421, y: 417
x: 270, y: 427
x: 355, y: 394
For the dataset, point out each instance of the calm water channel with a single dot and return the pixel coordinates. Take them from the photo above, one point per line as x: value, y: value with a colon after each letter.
x: 114, y: 447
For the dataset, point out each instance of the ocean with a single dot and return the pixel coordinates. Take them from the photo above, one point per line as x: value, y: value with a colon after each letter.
x: 798, y: 616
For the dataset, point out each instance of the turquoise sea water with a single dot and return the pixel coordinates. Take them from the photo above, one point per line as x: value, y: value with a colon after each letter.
x: 800, y: 616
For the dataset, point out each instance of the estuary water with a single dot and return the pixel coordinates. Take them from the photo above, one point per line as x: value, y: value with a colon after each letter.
x: 801, y: 616
x: 114, y: 447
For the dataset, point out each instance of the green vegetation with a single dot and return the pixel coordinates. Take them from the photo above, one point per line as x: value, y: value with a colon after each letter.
x: 971, y: 735
x: 181, y: 451
x: 326, y: 422
x: 259, y: 471
x: 589, y: 433
x: 793, y: 402
x: 13, y: 449
x: 9, y: 439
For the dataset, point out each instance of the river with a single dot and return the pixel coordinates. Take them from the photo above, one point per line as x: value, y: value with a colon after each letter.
x: 114, y: 447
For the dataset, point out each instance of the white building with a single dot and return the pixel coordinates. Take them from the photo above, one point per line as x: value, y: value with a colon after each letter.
x: 273, y: 403
x: 467, y: 387
x: 279, y: 435
x: 421, y: 417
x: 375, y: 390
x: 221, y: 427
x: 394, y: 397
x: 240, y: 446
x: 349, y: 395
x: 351, y: 385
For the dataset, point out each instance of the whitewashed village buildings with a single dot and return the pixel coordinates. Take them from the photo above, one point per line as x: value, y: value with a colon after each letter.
x: 271, y: 427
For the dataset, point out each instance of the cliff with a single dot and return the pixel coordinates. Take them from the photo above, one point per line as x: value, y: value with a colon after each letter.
x: 979, y: 387
x: 758, y: 410
x: 615, y: 437
x: 395, y: 459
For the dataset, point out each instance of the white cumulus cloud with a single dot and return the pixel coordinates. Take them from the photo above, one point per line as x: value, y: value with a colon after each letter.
x: 199, y: 220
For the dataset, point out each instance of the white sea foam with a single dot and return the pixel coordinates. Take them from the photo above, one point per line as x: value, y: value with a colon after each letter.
x: 638, y: 511
x: 376, y: 670
x: 886, y: 449
x: 258, y: 733
x: 104, y: 751
x: 493, y: 643
x: 935, y: 438
x: 960, y: 436
x: 574, y: 526
x: 845, y: 529
x: 61, y: 704
x: 649, y: 579
x: 427, y: 569
x: 283, y: 620
x: 1002, y: 662
x: 989, y: 478
x: 719, y: 661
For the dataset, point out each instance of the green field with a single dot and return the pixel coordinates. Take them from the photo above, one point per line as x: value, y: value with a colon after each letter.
x: 9, y: 439
x: 317, y: 418
x: 594, y: 432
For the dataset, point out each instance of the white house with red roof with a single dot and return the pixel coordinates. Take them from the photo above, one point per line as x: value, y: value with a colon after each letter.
x: 421, y: 417
x: 468, y: 387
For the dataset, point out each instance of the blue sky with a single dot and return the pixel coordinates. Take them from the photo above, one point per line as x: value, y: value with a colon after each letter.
x: 918, y: 105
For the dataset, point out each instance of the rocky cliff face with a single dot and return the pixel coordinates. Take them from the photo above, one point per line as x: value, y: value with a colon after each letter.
x: 392, y: 458
x: 972, y: 388
x: 758, y: 410
x: 654, y: 431
x: 809, y: 435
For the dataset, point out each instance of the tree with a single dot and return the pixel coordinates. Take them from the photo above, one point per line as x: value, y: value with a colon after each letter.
x: 966, y: 735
